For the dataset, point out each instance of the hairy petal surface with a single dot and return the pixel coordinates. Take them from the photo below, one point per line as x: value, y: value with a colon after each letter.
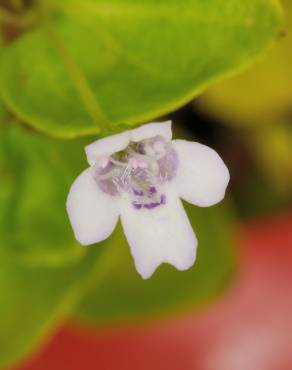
x: 202, y: 176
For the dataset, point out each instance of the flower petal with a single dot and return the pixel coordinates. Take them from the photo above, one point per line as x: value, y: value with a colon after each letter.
x: 93, y: 213
x: 116, y: 143
x: 161, y: 234
x: 152, y: 129
x: 107, y: 146
x: 202, y: 176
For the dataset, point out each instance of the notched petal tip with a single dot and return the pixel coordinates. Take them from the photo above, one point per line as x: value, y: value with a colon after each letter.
x: 145, y: 275
x: 179, y: 265
x: 160, y: 235
x: 188, y: 262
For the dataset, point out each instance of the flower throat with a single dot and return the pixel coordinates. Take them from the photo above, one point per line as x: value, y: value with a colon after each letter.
x: 140, y: 171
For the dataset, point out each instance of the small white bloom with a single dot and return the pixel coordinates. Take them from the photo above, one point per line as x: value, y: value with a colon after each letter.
x: 140, y: 175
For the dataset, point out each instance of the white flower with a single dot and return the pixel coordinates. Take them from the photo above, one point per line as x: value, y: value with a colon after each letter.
x: 140, y: 175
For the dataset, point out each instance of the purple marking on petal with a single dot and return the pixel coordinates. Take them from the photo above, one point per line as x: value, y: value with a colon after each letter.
x: 163, y: 199
x: 138, y: 193
x: 152, y: 190
x: 151, y: 205
x: 137, y: 205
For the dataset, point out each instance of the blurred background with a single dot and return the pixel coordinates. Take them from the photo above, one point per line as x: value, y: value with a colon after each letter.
x: 232, y: 311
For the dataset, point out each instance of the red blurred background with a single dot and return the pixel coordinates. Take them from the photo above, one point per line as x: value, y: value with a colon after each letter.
x: 250, y: 328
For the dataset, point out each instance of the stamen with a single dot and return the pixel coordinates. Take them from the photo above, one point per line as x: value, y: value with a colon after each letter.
x: 140, y: 170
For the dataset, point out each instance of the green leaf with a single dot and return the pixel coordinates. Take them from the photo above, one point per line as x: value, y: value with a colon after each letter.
x: 261, y: 95
x: 90, y: 63
x: 2, y: 113
x: 123, y: 295
x: 43, y: 271
x: 36, y: 174
x: 34, y: 299
x: 273, y: 151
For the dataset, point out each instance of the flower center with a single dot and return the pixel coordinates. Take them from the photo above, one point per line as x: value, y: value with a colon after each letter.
x: 139, y: 171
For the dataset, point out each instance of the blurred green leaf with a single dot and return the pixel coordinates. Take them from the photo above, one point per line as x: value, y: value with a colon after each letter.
x: 2, y: 112
x: 260, y: 95
x: 123, y: 295
x: 36, y: 174
x: 43, y: 272
x: 273, y: 151
x: 128, y: 61
x: 34, y: 299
